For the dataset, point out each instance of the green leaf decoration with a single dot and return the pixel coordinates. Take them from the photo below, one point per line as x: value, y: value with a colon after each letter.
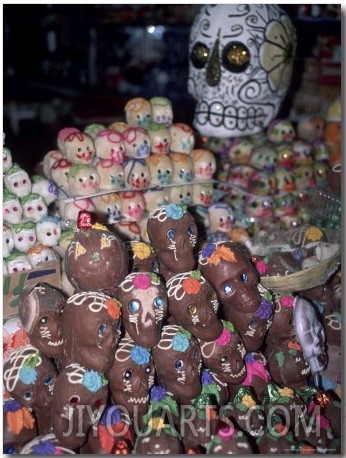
x: 292, y: 352
x: 196, y: 274
x: 280, y: 356
x: 228, y: 325
x: 184, y: 331
x: 32, y: 361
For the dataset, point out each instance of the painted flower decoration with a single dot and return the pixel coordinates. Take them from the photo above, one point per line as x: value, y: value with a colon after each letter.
x: 224, y: 338
x: 174, y: 211
x: 248, y: 401
x: 262, y: 267
x: 191, y: 285
x: 12, y: 341
x: 206, y: 377
x: 277, y: 53
x: 156, y: 423
x: 18, y: 417
x: 287, y: 301
x: 142, y: 281
x: 323, y: 421
x: 294, y: 345
x: 286, y: 392
x: 157, y: 393
x: 314, y: 234
x: 140, y: 355
x: 264, y: 310
x: 28, y: 373
x: 92, y: 380
x: 46, y: 447
x: 181, y: 341
x: 111, y: 416
x: 114, y: 308
x: 141, y: 250
x: 221, y: 252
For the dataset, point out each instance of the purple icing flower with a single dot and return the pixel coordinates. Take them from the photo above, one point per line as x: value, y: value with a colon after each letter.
x: 265, y: 310
x: 206, y: 377
x: 208, y: 250
x: 140, y: 355
x: 44, y: 448
x: 111, y: 416
x: 174, y: 211
x: 249, y: 358
x: 11, y: 406
x: 157, y: 393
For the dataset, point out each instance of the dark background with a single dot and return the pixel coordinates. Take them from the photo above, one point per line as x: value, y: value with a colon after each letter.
x: 71, y: 65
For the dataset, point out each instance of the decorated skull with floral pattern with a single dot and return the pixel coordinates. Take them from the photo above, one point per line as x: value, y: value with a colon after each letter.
x: 240, y: 65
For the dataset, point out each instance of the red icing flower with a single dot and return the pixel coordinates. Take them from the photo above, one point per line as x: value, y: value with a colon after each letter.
x: 262, y: 267
x: 287, y: 301
x: 191, y: 285
x: 294, y: 345
x: 113, y: 308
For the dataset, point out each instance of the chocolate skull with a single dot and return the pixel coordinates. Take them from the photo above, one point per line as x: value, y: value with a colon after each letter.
x: 39, y: 310
x: 178, y: 362
x: 131, y: 378
x: 29, y: 377
x: 172, y: 232
x: 240, y: 65
x: 80, y: 396
x: 90, y: 323
x: 144, y: 306
x: 193, y: 303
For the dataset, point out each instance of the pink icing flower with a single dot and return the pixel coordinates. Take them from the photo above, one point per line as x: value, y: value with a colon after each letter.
x: 227, y: 432
x: 142, y: 281
x: 224, y: 338
x: 262, y: 267
x: 287, y: 301
x: 323, y: 421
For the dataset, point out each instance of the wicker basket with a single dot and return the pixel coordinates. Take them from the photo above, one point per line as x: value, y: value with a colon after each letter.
x: 304, y: 279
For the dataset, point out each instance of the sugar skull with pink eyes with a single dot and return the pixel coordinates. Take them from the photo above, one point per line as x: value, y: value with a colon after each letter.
x: 160, y: 138
x: 144, y: 307
x: 12, y: 210
x: 138, y: 112
x: 132, y: 205
x: 24, y: 235
x: 6, y: 159
x: 110, y: 144
x: 18, y: 261
x: 131, y: 377
x: 137, y: 173
x: 48, y: 231
x: 79, y: 148
x: 204, y: 164
x: 7, y: 241
x: 17, y: 181
x: 182, y: 138
x: 137, y: 142
x: 34, y: 207
x: 178, y: 363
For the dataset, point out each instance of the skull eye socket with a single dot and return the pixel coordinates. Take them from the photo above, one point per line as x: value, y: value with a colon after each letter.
x: 179, y: 364
x: 159, y: 302
x: 192, y: 309
x: 199, y: 55
x: 236, y: 57
x: 134, y: 306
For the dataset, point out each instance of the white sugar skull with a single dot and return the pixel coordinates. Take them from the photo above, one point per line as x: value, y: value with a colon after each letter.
x: 83, y: 180
x: 155, y: 198
x: 79, y: 148
x: 109, y: 144
x: 137, y: 173
x: 182, y: 138
x: 137, y: 142
x: 264, y: 158
x: 161, y: 111
x: 111, y: 174
x: 18, y: 262
x: 132, y: 205
x: 93, y: 129
x: 34, y: 207
x: 161, y: 169
x: 302, y: 152
x: 304, y: 177
x: 48, y: 231
x: 240, y: 65
x: 12, y: 210
x: 108, y: 208
x: 221, y: 217
x: 24, y: 235
x: 183, y: 168
x: 180, y: 194
x: 202, y: 194
x: 138, y: 112
x: 40, y: 254
x: 7, y: 241
x: 45, y: 188
x: 240, y: 150
x: 160, y: 138
x: 17, y: 181
x: 204, y: 164
x: 48, y: 160
x: 70, y: 210
x: 59, y: 173
x: 6, y: 159
x: 280, y: 131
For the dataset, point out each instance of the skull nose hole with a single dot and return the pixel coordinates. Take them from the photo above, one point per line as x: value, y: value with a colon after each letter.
x: 213, y: 69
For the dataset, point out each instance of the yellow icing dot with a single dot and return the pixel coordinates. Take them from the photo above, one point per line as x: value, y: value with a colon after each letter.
x: 314, y: 233
x: 141, y: 250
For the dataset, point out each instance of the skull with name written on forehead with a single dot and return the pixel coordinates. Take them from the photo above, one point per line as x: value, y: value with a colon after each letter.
x: 240, y: 66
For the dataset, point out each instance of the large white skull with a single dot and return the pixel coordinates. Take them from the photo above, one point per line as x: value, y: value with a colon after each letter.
x: 240, y: 66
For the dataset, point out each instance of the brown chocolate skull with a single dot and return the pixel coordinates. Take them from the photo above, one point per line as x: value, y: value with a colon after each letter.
x: 29, y: 377
x: 80, y: 396
x: 172, y: 232
x: 131, y: 377
x: 193, y: 302
x: 91, y: 327
x: 39, y: 311
x: 96, y: 260
x: 178, y: 362
x: 144, y: 306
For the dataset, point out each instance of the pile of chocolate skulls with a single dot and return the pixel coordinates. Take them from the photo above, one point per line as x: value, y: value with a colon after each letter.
x: 163, y: 348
